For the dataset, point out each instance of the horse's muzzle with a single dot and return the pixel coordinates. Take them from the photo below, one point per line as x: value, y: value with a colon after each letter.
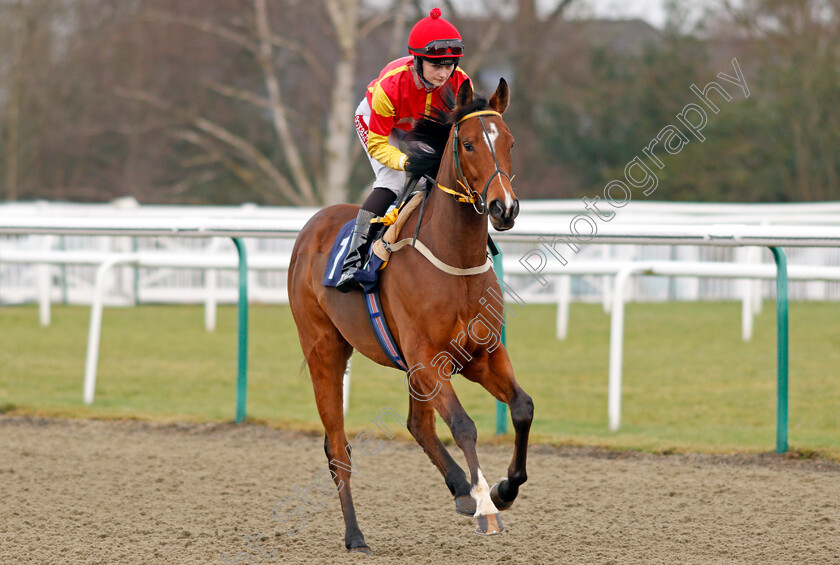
x: 503, y: 216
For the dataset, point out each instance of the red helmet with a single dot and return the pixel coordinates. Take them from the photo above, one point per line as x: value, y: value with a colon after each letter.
x: 435, y: 38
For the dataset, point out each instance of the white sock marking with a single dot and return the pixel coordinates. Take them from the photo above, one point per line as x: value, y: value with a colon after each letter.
x: 481, y: 494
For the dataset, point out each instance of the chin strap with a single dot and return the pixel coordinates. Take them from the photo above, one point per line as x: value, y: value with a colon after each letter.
x: 418, y: 66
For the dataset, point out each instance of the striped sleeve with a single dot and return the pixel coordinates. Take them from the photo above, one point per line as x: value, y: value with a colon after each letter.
x: 382, y: 117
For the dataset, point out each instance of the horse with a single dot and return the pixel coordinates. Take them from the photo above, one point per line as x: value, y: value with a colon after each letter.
x: 431, y: 313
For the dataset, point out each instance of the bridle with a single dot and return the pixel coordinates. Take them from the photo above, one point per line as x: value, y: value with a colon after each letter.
x: 478, y: 201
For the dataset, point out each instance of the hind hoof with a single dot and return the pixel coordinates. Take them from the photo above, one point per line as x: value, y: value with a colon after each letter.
x: 497, y: 500
x: 363, y: 549
x: 489, y: 525
x: 465, y: 505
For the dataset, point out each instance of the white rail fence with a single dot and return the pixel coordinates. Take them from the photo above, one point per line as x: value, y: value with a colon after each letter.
x: 124, y: 235
x: 23, y: 280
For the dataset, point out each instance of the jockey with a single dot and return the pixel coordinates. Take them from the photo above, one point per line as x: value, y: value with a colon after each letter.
x: 404, y: 91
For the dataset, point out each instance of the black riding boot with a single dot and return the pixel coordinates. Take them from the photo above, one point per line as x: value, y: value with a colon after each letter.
x: 358, y: 250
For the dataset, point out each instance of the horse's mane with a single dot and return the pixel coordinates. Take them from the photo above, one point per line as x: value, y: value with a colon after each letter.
x: 427, y: 139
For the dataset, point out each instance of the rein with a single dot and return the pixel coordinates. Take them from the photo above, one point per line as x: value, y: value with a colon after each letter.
x: 471, y: 196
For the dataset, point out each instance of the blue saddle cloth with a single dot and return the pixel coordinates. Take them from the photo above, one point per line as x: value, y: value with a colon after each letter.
x: 368, y: 277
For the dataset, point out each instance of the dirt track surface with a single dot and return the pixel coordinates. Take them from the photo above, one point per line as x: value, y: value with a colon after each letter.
x: 78, y: 492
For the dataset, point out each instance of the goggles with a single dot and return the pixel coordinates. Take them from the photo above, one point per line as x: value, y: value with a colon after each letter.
x: 440, y: 47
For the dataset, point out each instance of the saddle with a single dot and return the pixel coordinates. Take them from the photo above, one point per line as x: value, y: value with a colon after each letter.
x: 379, y: 252
x: 378, y: 257
x: 368, y: 276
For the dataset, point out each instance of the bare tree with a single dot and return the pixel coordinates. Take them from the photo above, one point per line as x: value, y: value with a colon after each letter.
x: 307, y: 163
x: 344, y: 15
x: 532, y: 67
x: 21, y: 25
x: 514, y: 32
x: 799, y: 43
x: 46, y: 102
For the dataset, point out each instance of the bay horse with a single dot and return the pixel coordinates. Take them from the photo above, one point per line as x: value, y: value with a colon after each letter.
x: 430, y: 312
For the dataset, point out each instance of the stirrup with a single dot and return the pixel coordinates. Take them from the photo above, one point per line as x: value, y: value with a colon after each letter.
x: 355, y: 258
x: 348, y: 281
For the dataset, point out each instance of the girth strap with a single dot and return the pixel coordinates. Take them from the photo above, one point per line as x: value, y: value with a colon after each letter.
x: 380, y: 328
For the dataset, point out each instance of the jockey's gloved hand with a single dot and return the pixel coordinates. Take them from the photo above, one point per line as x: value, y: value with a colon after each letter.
x: 414, y: 169
x: 421, y: 157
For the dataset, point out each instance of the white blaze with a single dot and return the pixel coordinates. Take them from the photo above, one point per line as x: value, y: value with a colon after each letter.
x: 490, y: 138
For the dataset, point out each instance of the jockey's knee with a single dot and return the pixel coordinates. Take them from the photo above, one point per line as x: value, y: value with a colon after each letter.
x: 379, y: 200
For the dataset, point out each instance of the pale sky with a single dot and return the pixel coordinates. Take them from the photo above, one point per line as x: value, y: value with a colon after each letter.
x: 652, y: 11
x: 649, y: 10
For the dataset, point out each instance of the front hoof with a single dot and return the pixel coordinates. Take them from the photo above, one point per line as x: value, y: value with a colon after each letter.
x: 361, y: 549
x: 497, y: 499
x: 465, y: 505
x: 488, y: 525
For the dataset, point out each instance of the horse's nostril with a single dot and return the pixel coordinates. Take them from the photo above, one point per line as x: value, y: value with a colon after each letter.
x: 514, y: 211
x: 496, y: 209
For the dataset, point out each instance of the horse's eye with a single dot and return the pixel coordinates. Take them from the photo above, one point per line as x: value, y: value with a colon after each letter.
x: 468, y: 146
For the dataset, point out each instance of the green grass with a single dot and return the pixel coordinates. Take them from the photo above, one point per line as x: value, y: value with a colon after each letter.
x: 690, y: 383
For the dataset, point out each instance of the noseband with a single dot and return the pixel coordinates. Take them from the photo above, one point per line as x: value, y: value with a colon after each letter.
x: 479, y: 201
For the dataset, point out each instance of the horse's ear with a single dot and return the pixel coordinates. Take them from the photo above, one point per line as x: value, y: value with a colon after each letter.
x: 500, y: 99
x: 465, y: 94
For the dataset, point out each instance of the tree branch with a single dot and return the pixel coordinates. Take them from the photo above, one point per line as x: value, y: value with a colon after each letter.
x: 451, y: 14
x: 558, y: 11
x: 398, y: 36
x: 374, y: 23
x: 278, y: 109
x: 246, y: 149
x: 245, y: 175
x: 238, y: 94
x: 486, y: 42
x: 306, y: 54
x: 201, y: 25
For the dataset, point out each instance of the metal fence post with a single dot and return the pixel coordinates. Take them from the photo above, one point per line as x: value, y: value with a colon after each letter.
x: 501, y: 407
x: 242, y: 330
x: 781, y: 350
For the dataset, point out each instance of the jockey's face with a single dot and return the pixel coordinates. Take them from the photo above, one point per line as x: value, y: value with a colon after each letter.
x: 437, y: 74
